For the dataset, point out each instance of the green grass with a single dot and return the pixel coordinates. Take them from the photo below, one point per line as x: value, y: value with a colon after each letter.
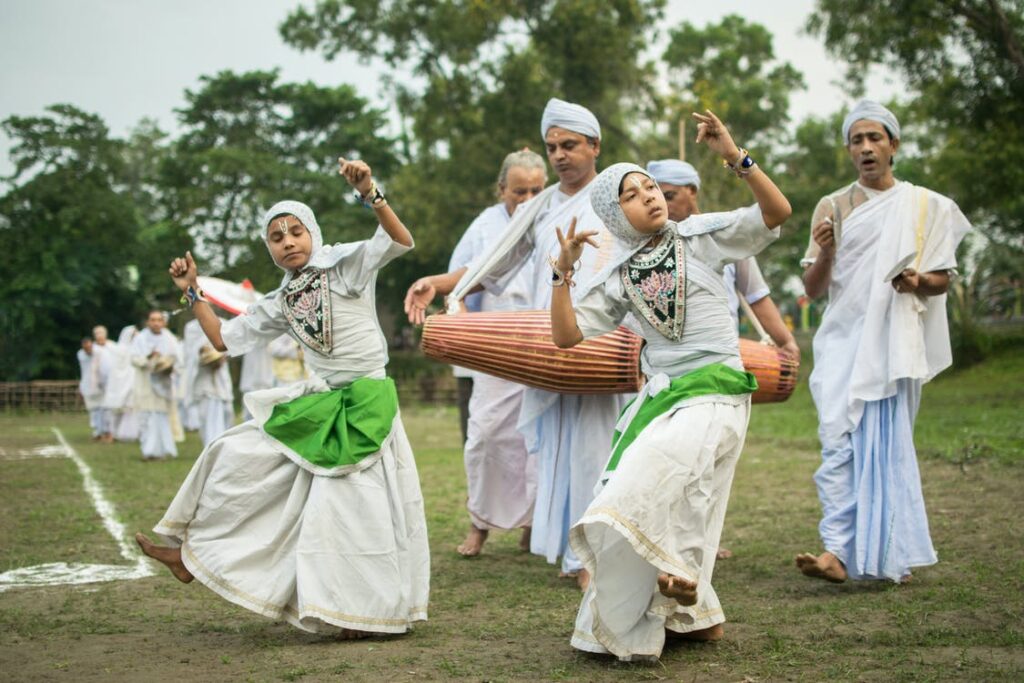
x: 506, y: 615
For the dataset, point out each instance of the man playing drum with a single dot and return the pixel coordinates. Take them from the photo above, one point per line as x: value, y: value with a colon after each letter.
x: 565, y: 432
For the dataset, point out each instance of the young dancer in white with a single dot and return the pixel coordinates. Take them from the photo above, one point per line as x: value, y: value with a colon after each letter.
x: 310, y: 512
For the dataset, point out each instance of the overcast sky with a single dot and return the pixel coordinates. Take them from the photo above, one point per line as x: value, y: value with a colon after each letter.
x: 129, y: 59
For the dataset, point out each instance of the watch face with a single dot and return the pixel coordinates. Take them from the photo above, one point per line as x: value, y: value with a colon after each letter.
x: 747, y: 162
x: 554, y: 276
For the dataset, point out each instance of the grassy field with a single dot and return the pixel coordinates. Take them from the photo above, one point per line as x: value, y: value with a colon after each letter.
x: 506, y: 615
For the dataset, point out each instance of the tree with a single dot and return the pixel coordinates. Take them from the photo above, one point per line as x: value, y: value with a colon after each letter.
x: 71, y: 234
x: 250, y: 141
x: 486, y: 70
x: 964, y: 61
x: 730, y: 68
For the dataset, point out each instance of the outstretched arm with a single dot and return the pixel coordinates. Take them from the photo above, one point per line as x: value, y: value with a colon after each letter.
x: 565, y: 332
x: 775, y: 208
x: 359, y: 176
x: 423, y: 291
x: 184, y: 273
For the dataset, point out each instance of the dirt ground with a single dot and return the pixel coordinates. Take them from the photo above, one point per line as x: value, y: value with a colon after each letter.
x: 506, y: 615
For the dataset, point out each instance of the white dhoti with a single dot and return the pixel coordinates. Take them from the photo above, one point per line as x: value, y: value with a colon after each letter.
x: 661, y: 511
x: 874, y: 517
x: 155, y: 436
x: 571, y: 439
x: 126, y: 425
x: 321, y: 552
x: 501, y: 474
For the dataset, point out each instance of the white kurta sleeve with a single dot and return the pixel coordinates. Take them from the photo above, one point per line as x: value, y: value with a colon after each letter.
x: 358, y: 267
x: 263, y: 322
x: 727, y: 237
x: 602, y: 309
x: 750, y: 281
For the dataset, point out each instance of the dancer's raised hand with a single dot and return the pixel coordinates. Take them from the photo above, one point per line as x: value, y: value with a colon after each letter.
x: 419, y: 296
x: 713, y: 133
x: 357, y: 173
x: 573, y: 244
x: 184, y: 272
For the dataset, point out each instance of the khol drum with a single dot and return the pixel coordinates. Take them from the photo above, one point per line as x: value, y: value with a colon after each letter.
x: 517, y: 346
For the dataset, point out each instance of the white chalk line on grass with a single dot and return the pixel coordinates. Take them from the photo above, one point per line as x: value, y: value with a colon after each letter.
x: 56, y: 573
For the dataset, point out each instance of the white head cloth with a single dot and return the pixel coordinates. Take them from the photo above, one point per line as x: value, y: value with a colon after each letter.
x: 320, y: 256
x: 569, y: 116
x: 673, y: 172
x: 604, y: 198
x: 871, y: 111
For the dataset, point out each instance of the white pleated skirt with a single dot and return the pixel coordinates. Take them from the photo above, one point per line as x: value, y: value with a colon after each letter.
x: 321, y: 552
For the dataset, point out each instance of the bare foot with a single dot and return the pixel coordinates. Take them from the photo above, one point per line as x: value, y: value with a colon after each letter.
x: 568, y: 575
x: 723, y: 554
x: 524, y: 540
x: 704, y: 635
x: 825, y: 566
x: 170, y: 557
x: 107, y: 438
x: 474, y: 542
x: 906, y: 578
x: 684, y: 592
x: 583, y: 579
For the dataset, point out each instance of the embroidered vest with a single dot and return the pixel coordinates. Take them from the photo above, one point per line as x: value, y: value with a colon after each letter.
x: 307, y: 306
x: 655, y: 283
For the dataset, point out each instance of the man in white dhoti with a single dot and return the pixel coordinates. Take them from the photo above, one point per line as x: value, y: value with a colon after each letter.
x: 89, y: 385
x: 501, y: 474
x: 105, y: 358
x: 650, y: 535
x: 154, y: 354
x: 207, y: 385
x: 188, y: 408
x: 120, y: 387
x: 884, y: 250
x: 310, y: 512
x: 566, y: 433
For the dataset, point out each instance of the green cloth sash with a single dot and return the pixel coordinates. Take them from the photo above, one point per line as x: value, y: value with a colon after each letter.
x: 340, y: 427
x: 710, y: 379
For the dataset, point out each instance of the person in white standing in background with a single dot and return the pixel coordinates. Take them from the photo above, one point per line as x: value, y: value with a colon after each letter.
x: 88, y: 385
x: 567, y: 433
x: 501, y: 474
x: 207, y: 385
x: 154, y: 354
x: 120, y: 386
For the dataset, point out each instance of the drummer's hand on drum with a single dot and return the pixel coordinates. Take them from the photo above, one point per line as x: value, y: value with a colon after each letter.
x: 791, y: 349
x: 572, y: 245
x: 419, y: 296
x: 184, y: 272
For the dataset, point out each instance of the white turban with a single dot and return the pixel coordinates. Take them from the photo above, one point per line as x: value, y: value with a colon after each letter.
x: 871, y: 111
x: 570, y: 116
x: 673, y: 172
